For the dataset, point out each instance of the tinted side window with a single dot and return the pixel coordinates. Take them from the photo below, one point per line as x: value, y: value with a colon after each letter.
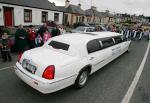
x: 59, y: 45
x: 93, y: 46
x: 118, y: 39
x: 124, y: 38
x: 107, y: 43
x: 88, y: 30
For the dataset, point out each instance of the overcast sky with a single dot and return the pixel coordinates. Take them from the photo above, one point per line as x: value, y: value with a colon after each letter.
x: 119, y: 6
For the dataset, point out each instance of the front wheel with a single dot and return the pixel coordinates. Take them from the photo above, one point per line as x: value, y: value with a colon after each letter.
x: 82, y: 79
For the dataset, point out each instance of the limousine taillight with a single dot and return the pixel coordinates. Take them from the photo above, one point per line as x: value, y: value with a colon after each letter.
x: 49, y: 72
x: 19, y: 56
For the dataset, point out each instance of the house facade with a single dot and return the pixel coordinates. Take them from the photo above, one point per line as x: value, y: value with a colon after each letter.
x: 92, y: 16
x: 95, y: 17
x: 28, y: 12
x: 72, y: 13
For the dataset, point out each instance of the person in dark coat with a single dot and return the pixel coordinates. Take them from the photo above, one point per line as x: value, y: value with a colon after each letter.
x: 42, y: 30
x: 5, y: 47
x: 31, y: 37
x: 55, y: 32
x: 21, y: 39
x: 1, y: 31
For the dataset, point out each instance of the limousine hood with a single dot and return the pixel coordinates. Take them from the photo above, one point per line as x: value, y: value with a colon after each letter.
x: 44, y: 57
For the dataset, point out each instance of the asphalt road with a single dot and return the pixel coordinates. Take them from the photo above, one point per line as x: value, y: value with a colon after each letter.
x: 108, y: 85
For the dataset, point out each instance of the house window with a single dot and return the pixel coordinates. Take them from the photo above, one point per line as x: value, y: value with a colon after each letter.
x: 80, y: 19
x: 76, y: 19
x: 56, y: 17
x: 27, y: 15
x: 44, y: 16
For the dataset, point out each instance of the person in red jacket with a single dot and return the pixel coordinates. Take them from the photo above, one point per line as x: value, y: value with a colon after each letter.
x: 5, y: 47
x: 31, y: 37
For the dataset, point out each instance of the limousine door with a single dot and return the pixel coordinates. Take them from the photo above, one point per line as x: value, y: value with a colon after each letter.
x: 97, y: 57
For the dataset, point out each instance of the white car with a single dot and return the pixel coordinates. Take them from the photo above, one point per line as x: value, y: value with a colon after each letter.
x: 69, y: 59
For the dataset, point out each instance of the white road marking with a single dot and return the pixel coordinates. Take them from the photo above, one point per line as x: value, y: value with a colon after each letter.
x: 131, y: 89
x: 7, y: 68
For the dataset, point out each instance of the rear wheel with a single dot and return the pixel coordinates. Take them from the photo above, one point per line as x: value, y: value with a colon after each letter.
x: 82, y: 79
x: 129, y: 49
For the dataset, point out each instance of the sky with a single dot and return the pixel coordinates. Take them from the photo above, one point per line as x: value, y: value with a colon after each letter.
x: 114, y: 6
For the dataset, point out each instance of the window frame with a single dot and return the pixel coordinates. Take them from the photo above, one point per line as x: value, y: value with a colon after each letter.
x: 60, y: 45
x: 120, y: 38
x: 100, y: 42
x: 29, y: 16
x: 93, y: 50
x: 56, y: 19
x: 44, y: 13
x: 106, y: 39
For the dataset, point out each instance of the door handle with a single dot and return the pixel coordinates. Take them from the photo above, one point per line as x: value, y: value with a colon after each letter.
x: 91, y: 58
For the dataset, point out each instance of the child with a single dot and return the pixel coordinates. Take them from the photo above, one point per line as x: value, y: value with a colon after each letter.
x: 5, y: 48
x: 46, y: 36
x: 38, y: 40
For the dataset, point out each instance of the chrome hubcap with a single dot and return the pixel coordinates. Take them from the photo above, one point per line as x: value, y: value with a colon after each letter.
x: 83, y: 78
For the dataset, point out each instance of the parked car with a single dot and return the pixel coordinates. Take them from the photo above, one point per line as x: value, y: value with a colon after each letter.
x: 100, y: 27
x: 83, y: 29
x: 68, y: 60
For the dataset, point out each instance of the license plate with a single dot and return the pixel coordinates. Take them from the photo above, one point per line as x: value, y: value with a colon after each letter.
x: 29, y: 67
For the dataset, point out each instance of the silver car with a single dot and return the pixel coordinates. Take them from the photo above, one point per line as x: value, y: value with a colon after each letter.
x: 83, y: 29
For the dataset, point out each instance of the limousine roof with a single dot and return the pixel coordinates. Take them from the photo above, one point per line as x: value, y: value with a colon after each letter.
x: 84, y: 37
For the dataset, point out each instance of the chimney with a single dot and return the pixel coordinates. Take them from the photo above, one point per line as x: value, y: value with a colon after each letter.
x: 67, y: 3
x: 79, y: 5
x: 53, y: 3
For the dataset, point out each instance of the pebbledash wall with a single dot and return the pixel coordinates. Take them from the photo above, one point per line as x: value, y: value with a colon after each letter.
x: 18, y: 15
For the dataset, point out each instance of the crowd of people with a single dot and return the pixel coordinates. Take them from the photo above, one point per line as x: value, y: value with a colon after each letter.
x: 136, y: 33
x: 26, y: 39
x: 30, y: 38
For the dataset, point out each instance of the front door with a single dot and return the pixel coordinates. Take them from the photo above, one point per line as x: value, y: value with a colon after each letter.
x: 8, y: 16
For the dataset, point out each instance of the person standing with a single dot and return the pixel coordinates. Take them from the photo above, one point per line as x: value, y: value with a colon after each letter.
x: 55, y: 32
x: 38, y: 40
x: 5, y: 47
x: 1, y: 31
x: 42, y: 30
x: 148, y: 35
x: 31, y: 37
x: 21, y: 39
x: 46, y: 36
x: 141, y: 34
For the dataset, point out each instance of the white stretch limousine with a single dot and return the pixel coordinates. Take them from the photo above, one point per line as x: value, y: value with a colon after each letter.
x: 69, y: 59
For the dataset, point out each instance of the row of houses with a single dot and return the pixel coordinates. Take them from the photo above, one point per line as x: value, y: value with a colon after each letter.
x: 74, y: 14
x: 37, y: 12
x: 28, y: 12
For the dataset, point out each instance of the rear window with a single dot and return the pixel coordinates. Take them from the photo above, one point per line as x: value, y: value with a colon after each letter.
x: 59, y: 45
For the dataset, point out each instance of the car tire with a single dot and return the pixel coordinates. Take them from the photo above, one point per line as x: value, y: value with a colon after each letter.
x: 129, y: 49
x: 82, y: 79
